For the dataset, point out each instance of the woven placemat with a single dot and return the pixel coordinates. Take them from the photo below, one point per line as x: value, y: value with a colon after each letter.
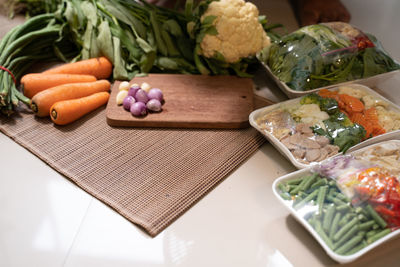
x: 149, y: 176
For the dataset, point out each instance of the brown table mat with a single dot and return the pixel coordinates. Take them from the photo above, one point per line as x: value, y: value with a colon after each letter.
x: 150, y: 176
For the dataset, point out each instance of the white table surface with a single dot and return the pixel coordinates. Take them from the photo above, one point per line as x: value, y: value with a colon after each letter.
x: 46, y: 220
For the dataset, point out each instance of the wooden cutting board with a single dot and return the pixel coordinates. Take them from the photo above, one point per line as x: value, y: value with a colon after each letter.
x: 191, y: 101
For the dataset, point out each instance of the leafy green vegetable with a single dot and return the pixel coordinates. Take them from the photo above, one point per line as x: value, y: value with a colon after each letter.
x: 341, y: 131
x: 317, y: 56
x: 139, y: 37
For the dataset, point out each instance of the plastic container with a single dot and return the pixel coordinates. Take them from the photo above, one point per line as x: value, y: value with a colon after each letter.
x: 300, y: 216
x: 253, y: 117
x: 325, y: 55
x: 370, y: 81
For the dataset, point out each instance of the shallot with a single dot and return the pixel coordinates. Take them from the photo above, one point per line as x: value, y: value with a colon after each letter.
x: 155, y: 93
x: 138, y: 109
x: 133, y: 89
x: 153, y: 105
x: 141, y: 96
x: 128, y: 101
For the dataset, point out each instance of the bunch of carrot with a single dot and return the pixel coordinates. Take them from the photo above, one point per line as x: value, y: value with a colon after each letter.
x: 69, y: 91
x: 354, y: 109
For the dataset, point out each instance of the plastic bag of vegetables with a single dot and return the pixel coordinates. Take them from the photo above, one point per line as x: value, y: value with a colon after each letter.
x: 324, y: 54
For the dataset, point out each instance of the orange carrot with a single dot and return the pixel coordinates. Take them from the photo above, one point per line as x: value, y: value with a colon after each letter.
x: 34, y: 83
x: 352, y: 104
x: 42, y: 102
x: 67, y: 111
x: 100, y: 67
x: 371, y: 115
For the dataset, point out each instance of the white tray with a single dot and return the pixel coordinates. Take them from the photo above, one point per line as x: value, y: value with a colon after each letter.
x: 330, y: 252
x: 285, y: 151
x: 369, y: 81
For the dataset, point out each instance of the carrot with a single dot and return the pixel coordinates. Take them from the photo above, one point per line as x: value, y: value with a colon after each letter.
x: 42, y: 101
x: 100, y: 67
x: 34, y: 83
x: 371, y: 115
x: 352, y: 104
x: 67, y: 111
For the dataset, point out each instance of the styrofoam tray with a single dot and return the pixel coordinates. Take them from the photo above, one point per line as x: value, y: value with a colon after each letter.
x: 369, y: 81
x: 285, y: 151
x: 330, y: 252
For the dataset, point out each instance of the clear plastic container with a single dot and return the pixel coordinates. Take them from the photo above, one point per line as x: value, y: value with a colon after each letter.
x: 345, y: 228
x: 257, y: 115
x: 325, y: 55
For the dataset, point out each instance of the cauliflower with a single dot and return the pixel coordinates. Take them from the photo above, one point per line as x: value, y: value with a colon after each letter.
x: 357, y: 93
x: 389, y: 120
x: 310, y: 114
x: 370, y: 101
x: 240, y: 33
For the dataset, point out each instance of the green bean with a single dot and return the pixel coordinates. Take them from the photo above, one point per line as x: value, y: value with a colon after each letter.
x: 347, y: 236
x: 26, y: 39
x: 285, y: 195
x: 305, y: 200
x: 332, y: 183
x: 345, y: 229
x: 356, y: 249
x: 309, y: 181
x: 335, y: 200
x: 295, y: 181
x: 350, y: 244
x: 344, y: 207
x: 371, y: 233
x: 328, y: 217
x: 321, y: 198
x: 299, y: 186
x: 291, y: 187
x: 334, y: 225
x: 341, y: 196
x: 378, y: 219
x: 375, y: 226
x: 282, y: 187
x: 379, y: 235
x: 318, y: 183
x: 366, y: 225
x: 331, y: 191
x: 322, y: 234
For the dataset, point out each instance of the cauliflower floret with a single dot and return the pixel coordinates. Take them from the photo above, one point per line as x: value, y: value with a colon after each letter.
x: 357, y: 93
x: 310, y: 114
x: 239, y: 32
x: 370, y: 101
x: 389, y: 120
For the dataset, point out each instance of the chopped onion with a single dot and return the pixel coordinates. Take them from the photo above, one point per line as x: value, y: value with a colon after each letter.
x: 154, y: 105
x: 138, y: 109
